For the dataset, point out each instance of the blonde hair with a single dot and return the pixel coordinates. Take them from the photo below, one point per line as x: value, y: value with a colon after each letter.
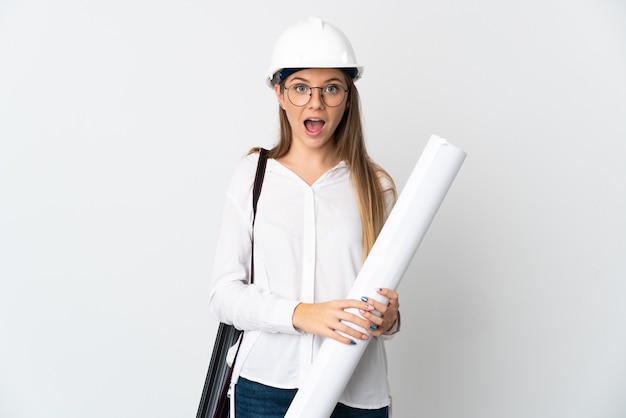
x: 366, y: 175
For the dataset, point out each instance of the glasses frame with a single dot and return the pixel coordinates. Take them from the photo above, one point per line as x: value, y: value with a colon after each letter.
x: 339, y: 86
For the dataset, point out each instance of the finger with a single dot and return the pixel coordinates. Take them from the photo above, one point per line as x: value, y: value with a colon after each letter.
x: 345, y: 333
x: 375, y: 326
x: 353, y: 304
x: 392, y: 298
x: 333, y: 328
x: 384, y: 323
x: 341, y: 338
x: 377, y: 332
x: 373, y: 318
x: 388, y: 293
x: 358, y: 334
x: 375, y: 322
x: 353, y: 320
x: 375, y: 307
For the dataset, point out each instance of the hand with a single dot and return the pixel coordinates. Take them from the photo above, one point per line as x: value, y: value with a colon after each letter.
x: 389, y: 312
x: 326, y: 318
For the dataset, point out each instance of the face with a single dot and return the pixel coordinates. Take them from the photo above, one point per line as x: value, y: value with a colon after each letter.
x: 313, y: 125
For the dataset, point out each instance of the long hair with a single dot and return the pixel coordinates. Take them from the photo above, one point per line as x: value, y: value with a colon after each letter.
x: 365, y: 174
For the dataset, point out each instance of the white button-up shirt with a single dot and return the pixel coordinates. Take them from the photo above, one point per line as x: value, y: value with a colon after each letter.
x: 307, y: 248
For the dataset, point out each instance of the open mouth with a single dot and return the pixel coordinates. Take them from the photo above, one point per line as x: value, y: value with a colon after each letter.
x: 314, y: 126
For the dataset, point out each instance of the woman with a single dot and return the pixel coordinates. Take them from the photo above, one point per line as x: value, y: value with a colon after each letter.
x: 322, y: 204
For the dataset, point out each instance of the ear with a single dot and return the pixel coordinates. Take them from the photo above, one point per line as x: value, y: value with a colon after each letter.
x: 279, y: 95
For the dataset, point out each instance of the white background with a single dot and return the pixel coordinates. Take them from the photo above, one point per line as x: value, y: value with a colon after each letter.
x: 121, y: 121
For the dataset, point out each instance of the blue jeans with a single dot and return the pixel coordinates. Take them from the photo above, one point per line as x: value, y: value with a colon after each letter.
x: 254, y: 400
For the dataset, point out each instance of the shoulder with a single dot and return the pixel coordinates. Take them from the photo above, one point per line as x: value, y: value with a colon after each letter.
x: 388, y: 189
x: 243, y: 177
x: 246, y: 166
x: 386, y: 182
x: 387, y: 185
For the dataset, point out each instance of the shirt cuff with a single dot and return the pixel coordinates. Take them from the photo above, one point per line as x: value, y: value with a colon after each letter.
x: 283, y: 319
x: 394, y: 329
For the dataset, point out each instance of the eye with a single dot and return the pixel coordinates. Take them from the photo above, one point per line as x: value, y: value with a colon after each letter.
x: 331, y: 89
x: 301, y: 88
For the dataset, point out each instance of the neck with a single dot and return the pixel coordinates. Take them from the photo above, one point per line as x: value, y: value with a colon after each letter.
x: 310, y: 163
x: 324, y: 158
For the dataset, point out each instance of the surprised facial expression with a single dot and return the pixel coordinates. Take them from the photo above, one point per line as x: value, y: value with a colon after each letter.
x: 314, y: 100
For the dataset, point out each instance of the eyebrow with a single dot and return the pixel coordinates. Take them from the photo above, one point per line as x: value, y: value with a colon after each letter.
x: 334, y: 79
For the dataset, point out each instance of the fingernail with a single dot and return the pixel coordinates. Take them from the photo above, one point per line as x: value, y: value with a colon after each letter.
x: 364, y: 298
x: 373, y: 327
x: 352, y: 342
x: 369, y: 307
x: 364, y: 337
x: 380, y: 289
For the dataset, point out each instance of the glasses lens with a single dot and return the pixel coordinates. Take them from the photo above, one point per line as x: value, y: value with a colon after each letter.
x: 332, y: 95
x: 299, y: 94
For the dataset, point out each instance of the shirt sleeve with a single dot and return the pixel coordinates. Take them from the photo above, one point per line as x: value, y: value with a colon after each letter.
x: 232, y: 299
x: 394, y: 329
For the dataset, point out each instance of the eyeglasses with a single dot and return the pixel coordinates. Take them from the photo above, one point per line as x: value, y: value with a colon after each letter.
x: 332, y: 95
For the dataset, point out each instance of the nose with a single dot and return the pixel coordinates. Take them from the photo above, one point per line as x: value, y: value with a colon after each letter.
x: 316, y: 100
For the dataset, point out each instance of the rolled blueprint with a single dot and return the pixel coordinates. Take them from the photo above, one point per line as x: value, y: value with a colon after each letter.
x: 385, y: 265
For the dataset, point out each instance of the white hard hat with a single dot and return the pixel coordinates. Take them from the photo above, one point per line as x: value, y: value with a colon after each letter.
x: 312, y: 43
